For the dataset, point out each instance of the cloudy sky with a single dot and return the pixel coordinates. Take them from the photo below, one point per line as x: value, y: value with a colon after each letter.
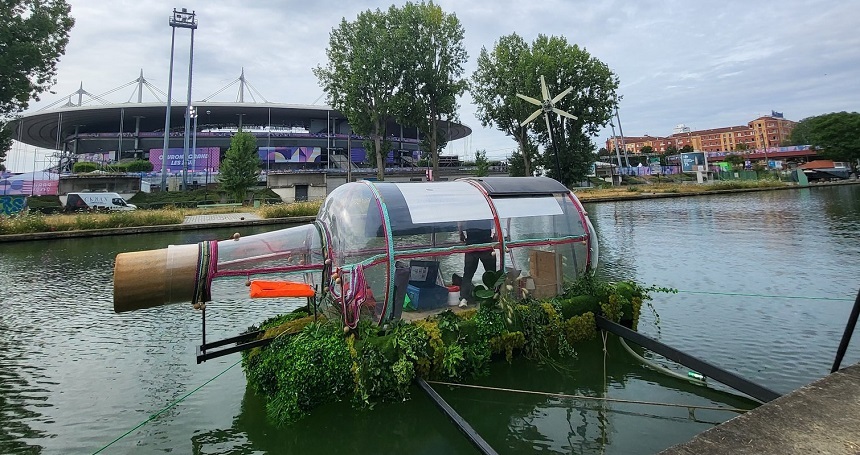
x: 706, y: 64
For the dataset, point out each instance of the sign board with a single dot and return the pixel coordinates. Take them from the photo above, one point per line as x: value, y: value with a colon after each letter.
x: 692, y: 162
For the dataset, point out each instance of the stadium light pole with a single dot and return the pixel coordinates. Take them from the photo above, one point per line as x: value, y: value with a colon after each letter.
x: 194, y: 141
x: 181, y: 19
x: 188, y: 109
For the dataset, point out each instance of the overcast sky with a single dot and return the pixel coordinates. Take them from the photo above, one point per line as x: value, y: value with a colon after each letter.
x: 703, y: 64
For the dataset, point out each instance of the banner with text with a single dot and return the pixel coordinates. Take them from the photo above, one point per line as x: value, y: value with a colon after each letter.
x: 204, y: 158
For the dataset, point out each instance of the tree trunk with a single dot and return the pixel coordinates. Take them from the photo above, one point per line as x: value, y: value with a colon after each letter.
x: 380, y: 160
x: 434, y: 148
x: 526, y: 161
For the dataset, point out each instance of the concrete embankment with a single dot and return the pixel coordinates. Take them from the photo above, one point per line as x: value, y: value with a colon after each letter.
x: 822, y: 417
x: 191, y: 223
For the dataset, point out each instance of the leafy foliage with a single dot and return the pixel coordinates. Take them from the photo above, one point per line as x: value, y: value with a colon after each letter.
x: 433, y: 76
x: 321, y: 364
x: 33, y: 36
x: 513, y: 66
x: 482, y: 165
x: 834, y: 135
x: 241, y: 166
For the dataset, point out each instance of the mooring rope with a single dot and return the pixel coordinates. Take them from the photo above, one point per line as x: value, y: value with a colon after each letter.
x: 586, y: 397
x: 166, y: 408
x: 766, y: 295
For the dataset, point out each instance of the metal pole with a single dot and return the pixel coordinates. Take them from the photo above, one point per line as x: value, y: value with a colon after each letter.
x: 846, y: 336
x: 167, y: 114
x: 194, y: 144
x: 187, y: 115
x: 621, y: 132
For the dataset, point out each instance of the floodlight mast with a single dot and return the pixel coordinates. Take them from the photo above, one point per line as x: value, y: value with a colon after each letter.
x: 181, y: 19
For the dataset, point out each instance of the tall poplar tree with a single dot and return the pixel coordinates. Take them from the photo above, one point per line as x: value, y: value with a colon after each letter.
x: 364, y: 74
x: 432, y: 43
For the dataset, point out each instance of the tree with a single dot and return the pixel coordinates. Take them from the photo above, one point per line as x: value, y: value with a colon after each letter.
x: 834, y: 136
x: 241, y: 166
x: 646, y: 149
x: 501, y: 74
x: 687, y: 149
x: 515, y: 67
x: 671, y: 149
x: 482, y: 165
x: 33, y: 36
x: 364, y: 73
x: 736, y: 161
x: 432, y: 42
x: 575, y: 154
x: 742, y: 146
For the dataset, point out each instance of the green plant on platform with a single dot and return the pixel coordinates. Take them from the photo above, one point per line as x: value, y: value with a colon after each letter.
x: 507, y: 343
x: 299, y: 373
x: 309, y: 363
x: 487, y: 293
x: 580, y: 328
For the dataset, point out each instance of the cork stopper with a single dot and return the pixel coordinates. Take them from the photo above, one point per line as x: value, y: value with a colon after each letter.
x: 146, y: 279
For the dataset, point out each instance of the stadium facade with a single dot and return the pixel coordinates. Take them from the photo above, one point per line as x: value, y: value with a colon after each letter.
x: 291, y: 137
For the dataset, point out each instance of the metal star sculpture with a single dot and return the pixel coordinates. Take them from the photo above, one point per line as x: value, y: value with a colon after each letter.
x: 547, y: 106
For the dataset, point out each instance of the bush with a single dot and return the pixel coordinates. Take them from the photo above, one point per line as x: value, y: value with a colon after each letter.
x: 138, y: 166
x: 84, y: 166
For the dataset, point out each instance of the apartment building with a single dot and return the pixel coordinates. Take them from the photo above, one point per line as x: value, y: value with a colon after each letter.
x: 763, y: 132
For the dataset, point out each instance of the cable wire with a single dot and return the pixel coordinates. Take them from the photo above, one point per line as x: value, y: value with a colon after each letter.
x: 165, y: 409
x: 585, y: 397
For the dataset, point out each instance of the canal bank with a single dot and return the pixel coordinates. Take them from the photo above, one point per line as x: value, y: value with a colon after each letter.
x: 821, y: 417
x: 197, y: 222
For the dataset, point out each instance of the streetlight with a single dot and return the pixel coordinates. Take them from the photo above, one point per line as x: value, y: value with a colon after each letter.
x: 181, y: 19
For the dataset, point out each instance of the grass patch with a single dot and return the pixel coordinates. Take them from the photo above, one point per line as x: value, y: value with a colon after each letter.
x: 591, y: 194
x: 310, y: 208
x: 36, y: 222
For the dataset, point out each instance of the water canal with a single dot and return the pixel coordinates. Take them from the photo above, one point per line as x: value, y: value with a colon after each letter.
x: 74, y: 376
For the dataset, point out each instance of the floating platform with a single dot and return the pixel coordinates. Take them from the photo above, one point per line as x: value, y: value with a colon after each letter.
x: 822, y: 417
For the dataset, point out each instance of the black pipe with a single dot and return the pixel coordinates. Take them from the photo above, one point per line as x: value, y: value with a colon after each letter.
x: 461, y: 424
x: 714, y: 372
x: 846, y: 337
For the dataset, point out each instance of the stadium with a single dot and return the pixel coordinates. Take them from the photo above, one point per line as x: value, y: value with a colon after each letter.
x: 292, y: 138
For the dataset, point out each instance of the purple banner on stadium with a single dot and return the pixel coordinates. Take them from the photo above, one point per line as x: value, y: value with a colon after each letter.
x: 290, y: 154
x: 202, y: 159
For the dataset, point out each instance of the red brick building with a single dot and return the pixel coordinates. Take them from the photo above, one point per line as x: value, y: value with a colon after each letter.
x: 763, y: 132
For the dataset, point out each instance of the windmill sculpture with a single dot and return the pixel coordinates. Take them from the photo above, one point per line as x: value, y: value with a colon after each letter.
x: 547, y: 106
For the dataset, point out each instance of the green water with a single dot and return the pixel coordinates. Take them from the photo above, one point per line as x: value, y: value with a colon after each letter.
x: 74, y: 376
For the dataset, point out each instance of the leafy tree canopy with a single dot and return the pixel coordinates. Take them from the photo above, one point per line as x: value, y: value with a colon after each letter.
x: 646, y: 149
x: 241, y: 166
x: 835, y: 135
x: 432, y: 41
x: 33, y: 36
x: 514, y: 67
x: 404, y: 63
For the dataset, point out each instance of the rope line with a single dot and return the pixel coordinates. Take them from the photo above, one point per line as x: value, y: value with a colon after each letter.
x: 767, y: 295
x: 165, y: 409
x: 585, y: 397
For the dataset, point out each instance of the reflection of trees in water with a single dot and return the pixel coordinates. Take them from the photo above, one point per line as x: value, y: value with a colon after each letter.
x: 414, y: 427
x: 18, y: 397
x: 525, y: 423
x: 510, y: 422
